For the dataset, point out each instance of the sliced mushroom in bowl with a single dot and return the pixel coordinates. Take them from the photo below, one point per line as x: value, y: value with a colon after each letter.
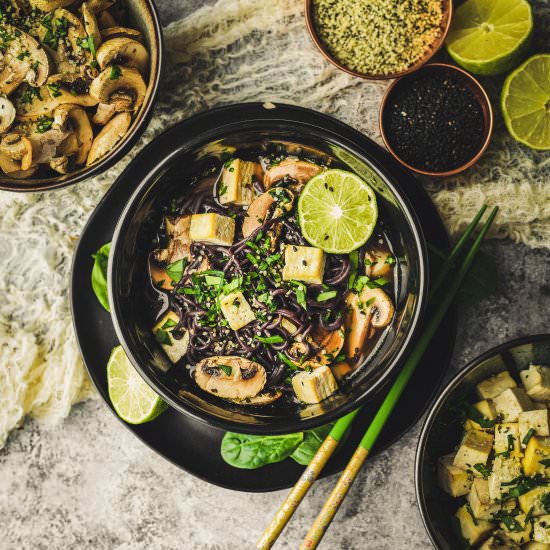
x: 58, y: 53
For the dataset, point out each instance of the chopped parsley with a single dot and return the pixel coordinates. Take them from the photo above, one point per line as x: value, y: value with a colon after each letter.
x: 163, y: 337
x: 226, y: 368
x: 115, y: 72
x: 44, y: 124
x: 530, y: 433
x: 270, y: 339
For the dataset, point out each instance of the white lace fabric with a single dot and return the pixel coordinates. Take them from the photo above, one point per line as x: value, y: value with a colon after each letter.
x: 230, y: 52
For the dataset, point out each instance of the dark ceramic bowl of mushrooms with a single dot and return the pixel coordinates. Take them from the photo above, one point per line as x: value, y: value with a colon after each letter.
x: 78, y: 82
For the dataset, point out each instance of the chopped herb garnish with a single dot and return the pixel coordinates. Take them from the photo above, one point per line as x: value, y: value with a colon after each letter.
x: 324, y: 296
x: 175, y: 270
x: 170, y: 323
x: 483, y: 470
x: 390, y: 260
x: 530, y: 433
x: 44, y: 124
x: 163, y: 337
x: 226, y: 368
x: 270, y: 339
x: 115, y: 72
x: 286, y: 361
x: 54, y: 89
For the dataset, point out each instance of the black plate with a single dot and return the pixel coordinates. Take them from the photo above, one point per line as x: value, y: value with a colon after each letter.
x: 192, y: 445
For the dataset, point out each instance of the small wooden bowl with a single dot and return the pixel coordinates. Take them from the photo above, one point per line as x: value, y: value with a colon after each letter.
x: 445, y: 23
x: 480, y: 95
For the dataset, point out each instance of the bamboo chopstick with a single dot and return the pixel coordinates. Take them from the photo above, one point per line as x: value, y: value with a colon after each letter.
x: 347, y: 477
x: 315, y: 467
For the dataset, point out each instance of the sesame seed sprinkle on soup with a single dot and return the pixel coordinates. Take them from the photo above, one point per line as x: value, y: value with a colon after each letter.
x: 378, y: 37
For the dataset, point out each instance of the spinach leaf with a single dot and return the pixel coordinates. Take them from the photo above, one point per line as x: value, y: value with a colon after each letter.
x: 311, y: 443
x: 480, y: 282
x: 254, y: 451
x: 99, y: 275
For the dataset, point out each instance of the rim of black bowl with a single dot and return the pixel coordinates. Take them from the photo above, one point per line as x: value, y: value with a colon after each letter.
x: 137, y: 128
x: 212, y: 122
x: 436, y: 407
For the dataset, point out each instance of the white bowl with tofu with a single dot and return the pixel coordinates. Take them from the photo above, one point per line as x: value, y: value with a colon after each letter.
x: 483, y: 459
x: 194, y: 206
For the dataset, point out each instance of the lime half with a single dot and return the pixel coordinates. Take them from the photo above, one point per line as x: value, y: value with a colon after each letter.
x: 134, y: 401
x: 526, y: 102
x: 337, y: 211
x: 490, y: 37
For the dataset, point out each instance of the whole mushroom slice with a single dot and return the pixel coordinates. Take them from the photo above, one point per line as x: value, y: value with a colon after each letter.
x: 74, y: 48
x: 108, y: 137
x: 371, y: 308
x: 266, y: 398
x: 75, y: 119
x: 328, y: 344
x: 32, y: 103
x: 230, y: 377
x: 18, y: 149
x: 300, y: 171
x: 259, y: 208
x: 124, y: 51
x: 24, y: 59
x: 91, y: 26
x: 7, y: 114
x: 378, y: 265
x: 116, y: 31
x: 49, y: 5
x: 122, y: 87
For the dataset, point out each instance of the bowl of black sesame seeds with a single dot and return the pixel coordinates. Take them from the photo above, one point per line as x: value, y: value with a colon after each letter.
x: 437, y: 121
x: 378, y: 39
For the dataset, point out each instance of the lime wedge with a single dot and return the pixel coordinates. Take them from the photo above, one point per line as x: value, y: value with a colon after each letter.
x: 526, y: 102
x: 490, y: 37
x: 134, y: 401
x: 337, y: 211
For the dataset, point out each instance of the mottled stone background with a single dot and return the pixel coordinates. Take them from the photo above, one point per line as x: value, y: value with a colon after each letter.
x: 90, y: 484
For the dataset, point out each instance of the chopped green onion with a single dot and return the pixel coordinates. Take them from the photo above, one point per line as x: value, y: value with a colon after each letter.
x: 212, y: 280
x: 226, y: 368
x: 270, y: 339
x: 324, y: 296
x: 253, y: 260
x: 530, y: 433
x: 170, y: 323
x: 163, y: 337
x: 175, y: 270
x: 286, y: 360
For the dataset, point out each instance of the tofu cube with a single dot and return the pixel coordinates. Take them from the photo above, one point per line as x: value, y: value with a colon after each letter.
x: 533, y: 500
x: 536, y: 380
x: 511, y: 402
x: 519, y: 537
x: 212, y: 229
x: 495, y: 385
x: 537, y: 420
x: 536, y: 546
x: 304, y: 263
x: 538, y: 448
x: 480, y: 501
x: 453, y: 480
x: 504, y: 470
x: 174, y: 347
x: 474, y: 449
x: 507, y: 439
x: 237, y: 182
x: 236, y: 310
x: 485, y: 409
x: 499, y: 541
x: 315, y: 386
x: 473, y: 530
x: 541, y: 529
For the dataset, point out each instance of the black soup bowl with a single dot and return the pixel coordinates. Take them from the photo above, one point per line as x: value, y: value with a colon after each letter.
x: 189, y: 147
x: 442, y: 429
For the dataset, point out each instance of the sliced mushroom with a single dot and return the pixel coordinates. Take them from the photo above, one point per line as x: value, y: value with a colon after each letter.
x: 372, y: 307
x: 32, y: 103
x: 300, y: 171
x: 123, y: 87
x: 46, y: 145
x: 91, y: 25
x: 18, y: 149
x: 50, y: 5
x: 74, y: 48
x: 21, y: 174
x: 105, y: 19
x: 259, y: 208
x: 377, y: 265
x: 23, y: 60
x: 100, y: 5
x: 108, y: 137
x: 120, y: 32
x: 7, y: 114
x: 328, y: 344
x: 124, y: 51
x: 266, y: 398
x: 72, y: 117
x: 230, y: 377
x: 60, y: 164
x: 103, y: 114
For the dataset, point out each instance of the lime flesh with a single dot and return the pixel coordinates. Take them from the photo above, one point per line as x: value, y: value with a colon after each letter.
x: 526, y: 102
x: 134, y: 401
x: 490, y: 37
x: 337, y: 211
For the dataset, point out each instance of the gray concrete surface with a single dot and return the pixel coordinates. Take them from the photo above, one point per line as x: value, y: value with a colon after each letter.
x: 89, y: 484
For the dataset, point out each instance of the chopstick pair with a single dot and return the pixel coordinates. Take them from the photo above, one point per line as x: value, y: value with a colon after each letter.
x: 329, y: 445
